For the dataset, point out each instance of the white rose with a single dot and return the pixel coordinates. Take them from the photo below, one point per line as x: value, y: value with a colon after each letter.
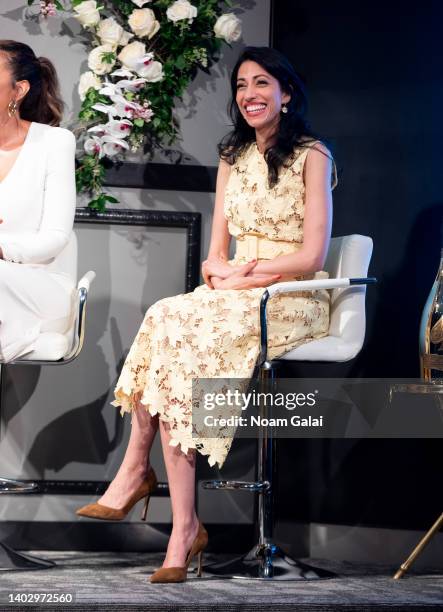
x: 110, y: 32
x: 126, y: 37
x: 95, y: 59
x: 86, y: 82
x: 130, y: 54
x: 228, y: 26
x: 150, y: 70
x: 181, y: 9
x: 87, y: 13
x: 140, y: 3
x: 143, y: 23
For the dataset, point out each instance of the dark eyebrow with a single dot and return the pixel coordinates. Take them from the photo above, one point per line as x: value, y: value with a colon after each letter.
x: 256, y: 76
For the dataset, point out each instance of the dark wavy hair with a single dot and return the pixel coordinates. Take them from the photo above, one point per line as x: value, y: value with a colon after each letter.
x: 293, y: 129
x: 43, y: 102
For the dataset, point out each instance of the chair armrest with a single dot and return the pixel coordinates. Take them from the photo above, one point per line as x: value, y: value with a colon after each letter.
x: 309, y: 285
x: 86, y: 280
x: 321, y: 283
x: 83, y: 286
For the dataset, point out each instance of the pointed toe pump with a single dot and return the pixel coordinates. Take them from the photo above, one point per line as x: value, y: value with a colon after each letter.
x: 98, y: 511
x: 179, y: 574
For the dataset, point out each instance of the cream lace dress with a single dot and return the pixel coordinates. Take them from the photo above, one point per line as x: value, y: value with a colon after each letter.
x: 215, y: 333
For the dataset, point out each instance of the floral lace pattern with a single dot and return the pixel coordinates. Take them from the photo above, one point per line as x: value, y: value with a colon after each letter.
x: 275, y: 213
x: 215, y: 333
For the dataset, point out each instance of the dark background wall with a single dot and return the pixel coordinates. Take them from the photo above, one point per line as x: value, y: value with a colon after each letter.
x: 374, y: 75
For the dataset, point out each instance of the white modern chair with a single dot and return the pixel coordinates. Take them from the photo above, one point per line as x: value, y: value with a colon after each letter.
x: 58, y: 344
x: 347, y: 263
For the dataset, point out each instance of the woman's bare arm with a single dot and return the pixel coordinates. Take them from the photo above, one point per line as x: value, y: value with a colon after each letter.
x: 220, y: 237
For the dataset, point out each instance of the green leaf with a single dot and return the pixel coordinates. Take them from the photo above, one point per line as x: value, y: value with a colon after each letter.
x: 58, y: 5
x: 139, y: 122
x: 180, y: 62
x: 98, y: 203
x: 30, y: 2
x: 76, y: 2
x: 108, y: 57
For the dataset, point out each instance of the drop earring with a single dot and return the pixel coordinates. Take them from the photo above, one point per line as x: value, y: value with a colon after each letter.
x: 284, y: 109
x: 12, y: 108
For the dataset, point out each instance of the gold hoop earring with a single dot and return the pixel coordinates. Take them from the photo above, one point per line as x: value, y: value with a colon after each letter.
x: 12, y: 108
x: 284, y: 109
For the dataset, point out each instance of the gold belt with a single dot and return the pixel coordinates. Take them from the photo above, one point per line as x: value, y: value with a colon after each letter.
x: 252, y: 246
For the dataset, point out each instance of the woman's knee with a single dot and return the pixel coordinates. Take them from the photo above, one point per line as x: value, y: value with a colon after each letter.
x: 164, y: 306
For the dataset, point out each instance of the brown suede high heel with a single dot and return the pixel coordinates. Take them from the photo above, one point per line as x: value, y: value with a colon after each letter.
x: 179, y: 574
x: 98, y: 511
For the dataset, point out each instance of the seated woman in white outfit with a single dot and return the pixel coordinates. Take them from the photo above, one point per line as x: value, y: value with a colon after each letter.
x: 37, y: 200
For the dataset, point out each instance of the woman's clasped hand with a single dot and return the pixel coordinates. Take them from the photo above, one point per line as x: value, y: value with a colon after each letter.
x: 218, y: 274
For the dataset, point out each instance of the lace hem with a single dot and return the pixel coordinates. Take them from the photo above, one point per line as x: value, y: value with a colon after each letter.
x: 216, y: 449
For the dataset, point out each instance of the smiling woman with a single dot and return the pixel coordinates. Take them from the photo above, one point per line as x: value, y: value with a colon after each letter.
x: 274, y: 195
x: 260, y: 100
x: 279, y: 172
x: 37, y: 194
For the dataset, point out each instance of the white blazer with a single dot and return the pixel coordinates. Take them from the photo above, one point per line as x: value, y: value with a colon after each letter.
x: 37, y: 197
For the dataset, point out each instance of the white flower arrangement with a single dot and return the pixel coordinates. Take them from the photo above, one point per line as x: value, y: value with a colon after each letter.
x: 228, y: 27
x: 87, y: 13
x: 143, y: 23
x: 181, y: 9
x: 143, y: 55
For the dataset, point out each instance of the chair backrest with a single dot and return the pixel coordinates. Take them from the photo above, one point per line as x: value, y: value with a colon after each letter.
x: 349, y: 256
x: 66, y: 261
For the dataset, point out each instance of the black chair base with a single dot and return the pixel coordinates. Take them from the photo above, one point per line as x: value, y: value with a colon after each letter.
x: 267, y: 562
x: 7, y: 485
x: 10, y: 559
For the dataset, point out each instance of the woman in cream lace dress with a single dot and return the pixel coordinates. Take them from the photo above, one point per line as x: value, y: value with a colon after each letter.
x: 274, y: 196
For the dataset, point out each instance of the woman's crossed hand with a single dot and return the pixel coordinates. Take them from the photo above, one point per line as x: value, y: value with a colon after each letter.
x: 216, y: 266
x: 238, y: 276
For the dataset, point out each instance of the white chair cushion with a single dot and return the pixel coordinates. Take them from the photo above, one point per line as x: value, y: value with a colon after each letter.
x: 328, y: 348
x: 348, y: 257
x: 49, y: 346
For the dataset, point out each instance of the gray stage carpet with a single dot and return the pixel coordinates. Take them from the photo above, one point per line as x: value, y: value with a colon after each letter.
x: 119, y: 581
